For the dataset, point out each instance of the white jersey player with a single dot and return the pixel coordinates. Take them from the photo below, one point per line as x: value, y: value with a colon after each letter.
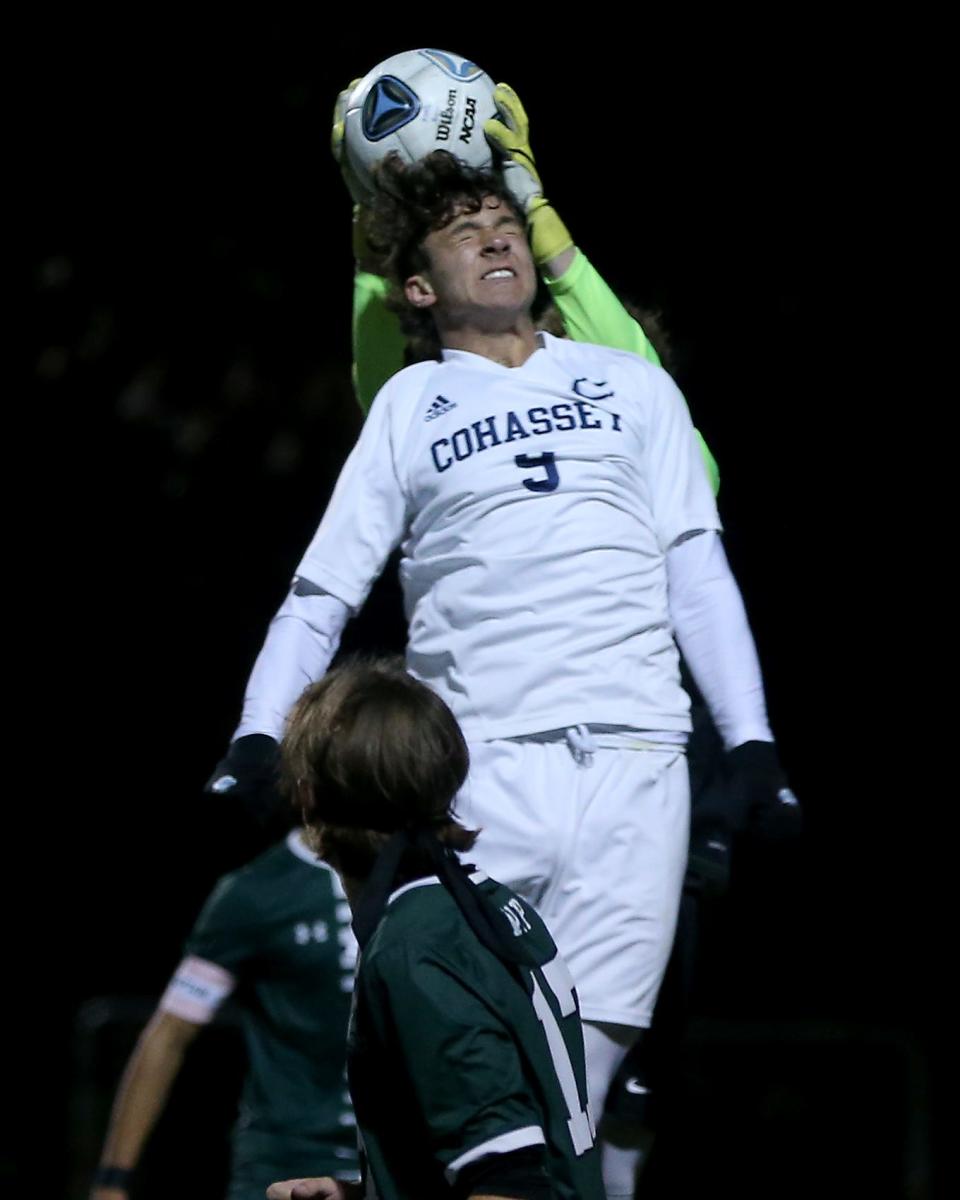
x: 559, y: 537
x: 531, y: 505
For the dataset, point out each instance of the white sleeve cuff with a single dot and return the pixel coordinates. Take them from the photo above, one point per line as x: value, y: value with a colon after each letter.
x: 506, y: 1143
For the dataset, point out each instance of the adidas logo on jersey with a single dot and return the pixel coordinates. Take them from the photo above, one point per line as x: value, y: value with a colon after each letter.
x: 439, y: 406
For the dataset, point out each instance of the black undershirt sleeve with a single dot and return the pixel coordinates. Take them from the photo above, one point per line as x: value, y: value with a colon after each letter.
x: 521, y: 1175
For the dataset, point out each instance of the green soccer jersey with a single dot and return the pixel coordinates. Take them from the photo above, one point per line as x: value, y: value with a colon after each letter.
x: 453, y: 1055
x: 281, y: 927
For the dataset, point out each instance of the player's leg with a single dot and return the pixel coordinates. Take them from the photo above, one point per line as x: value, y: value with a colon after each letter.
x: 612, y: 906
x: 643, y: 1091
x: 606, y: 1047
x: 599, y: 846
x: 614, y: 920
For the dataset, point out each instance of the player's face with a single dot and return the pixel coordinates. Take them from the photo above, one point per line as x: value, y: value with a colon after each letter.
x: 480, y: 269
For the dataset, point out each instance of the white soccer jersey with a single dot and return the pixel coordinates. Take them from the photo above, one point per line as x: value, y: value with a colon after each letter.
x: 534, y: 506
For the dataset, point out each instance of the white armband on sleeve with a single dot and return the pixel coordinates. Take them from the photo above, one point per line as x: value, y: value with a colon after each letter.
x: 302, y: 639
x: 197, y: 990
x: 712, y: 631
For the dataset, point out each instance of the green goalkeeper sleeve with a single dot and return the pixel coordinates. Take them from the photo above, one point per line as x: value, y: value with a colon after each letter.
x: 592, y: 312
x: 378, y: 344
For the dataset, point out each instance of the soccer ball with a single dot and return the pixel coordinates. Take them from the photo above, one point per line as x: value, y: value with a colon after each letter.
x: 414, y: 103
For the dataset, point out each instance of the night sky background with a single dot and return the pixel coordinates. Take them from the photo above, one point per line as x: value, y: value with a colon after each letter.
x: 188, y: 302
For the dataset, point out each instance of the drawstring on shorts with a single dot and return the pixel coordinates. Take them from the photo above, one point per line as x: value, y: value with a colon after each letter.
x: 582, y: 745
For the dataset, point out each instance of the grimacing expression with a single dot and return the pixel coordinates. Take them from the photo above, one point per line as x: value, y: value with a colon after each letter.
x: 479, y: 267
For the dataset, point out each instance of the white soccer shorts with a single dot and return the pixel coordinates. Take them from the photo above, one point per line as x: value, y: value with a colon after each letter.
x: 597, y: 842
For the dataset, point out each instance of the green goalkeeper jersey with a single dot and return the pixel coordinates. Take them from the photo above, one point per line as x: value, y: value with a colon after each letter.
x: 453, y: 1055
x: 281, y: 927
x: 591, y: 312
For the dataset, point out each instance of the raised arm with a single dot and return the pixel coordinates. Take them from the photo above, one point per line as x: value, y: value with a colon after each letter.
x: 590, y: 310
x: 378, y: 343
x: 363, y: 523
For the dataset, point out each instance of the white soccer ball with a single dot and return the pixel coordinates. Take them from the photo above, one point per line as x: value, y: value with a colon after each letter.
x: 414, y: 103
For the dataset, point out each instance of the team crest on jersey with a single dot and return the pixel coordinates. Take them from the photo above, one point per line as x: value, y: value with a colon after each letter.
x: 438, y: 407
x: 589, y: 389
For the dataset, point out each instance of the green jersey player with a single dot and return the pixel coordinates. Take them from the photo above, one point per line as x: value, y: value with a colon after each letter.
x: 465, y: 1052
x: 277, y: 934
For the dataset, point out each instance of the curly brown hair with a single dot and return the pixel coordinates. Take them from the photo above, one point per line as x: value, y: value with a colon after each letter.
x: 412, y: 200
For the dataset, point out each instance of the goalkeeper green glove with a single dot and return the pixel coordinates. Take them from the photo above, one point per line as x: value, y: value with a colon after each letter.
x: 354, y: 186
x: 365, y: 258
x: 509, y: 135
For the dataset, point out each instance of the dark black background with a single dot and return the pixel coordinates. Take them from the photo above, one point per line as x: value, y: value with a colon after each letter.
x: 188, y: 298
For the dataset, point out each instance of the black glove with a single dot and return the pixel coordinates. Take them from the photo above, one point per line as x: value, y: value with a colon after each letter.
x: 250, y: 774
x: 763, y: 803
x: 708, y: 861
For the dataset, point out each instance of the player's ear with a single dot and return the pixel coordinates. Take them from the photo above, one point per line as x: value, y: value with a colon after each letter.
x: 419, y: 291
